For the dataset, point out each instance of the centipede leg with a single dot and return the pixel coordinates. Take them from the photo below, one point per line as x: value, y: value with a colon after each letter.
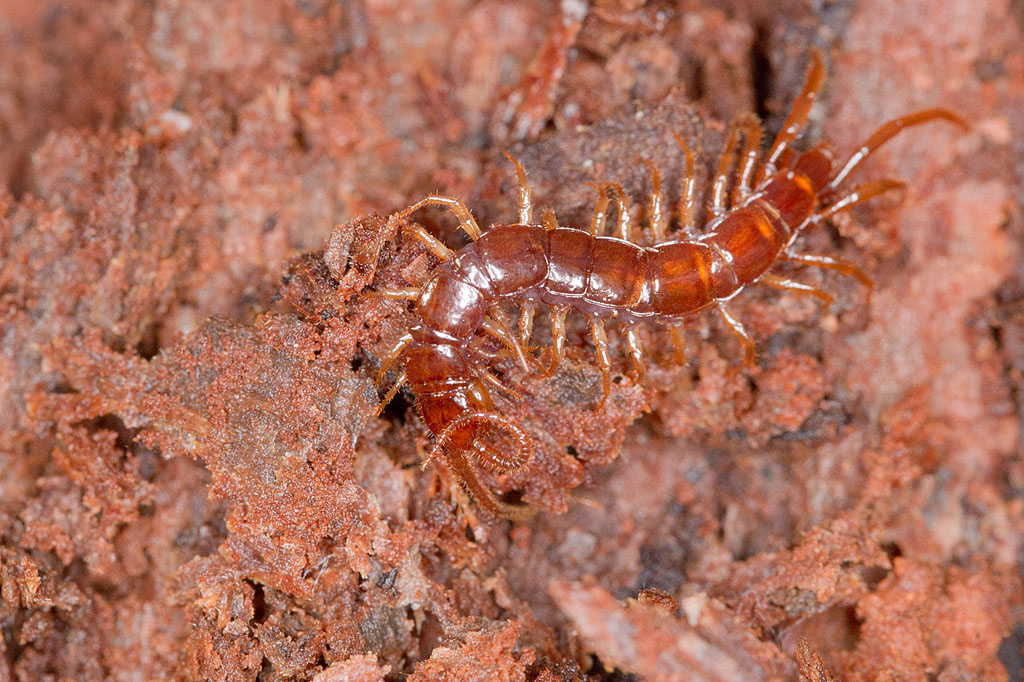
x: 752, y: 133
x: 687, y: 190
x: 526, y: 313
x: 886, y: 133
x: 636, y: 351
x: 749, y: 347
x: 859, y: 195
x: 499, y: 330
x: 603, y: 359
x: 457, y: 206
x: 622, y: 201
x: 396, y: 350
x: 397, y: 293
x: 558, y: 313
x: 843, y: 266
x: 784, y: 284
x: 432, y: 243
x: 525, y: 192
x: 678, y: 343
x: 726, y: 162
x: 797, y: 116
x: 600, y: 209
x: 496, y: 382
x: 392, y: 392
x: 655, y: 216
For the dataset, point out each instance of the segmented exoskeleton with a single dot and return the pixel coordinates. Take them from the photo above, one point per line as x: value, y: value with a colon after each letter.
x: 757, y: 209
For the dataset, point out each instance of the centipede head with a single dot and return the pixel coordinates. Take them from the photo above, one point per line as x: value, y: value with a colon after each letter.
x: 484, y: 438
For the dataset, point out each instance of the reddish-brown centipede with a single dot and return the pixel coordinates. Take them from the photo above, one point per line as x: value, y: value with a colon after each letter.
x: 750, y: 228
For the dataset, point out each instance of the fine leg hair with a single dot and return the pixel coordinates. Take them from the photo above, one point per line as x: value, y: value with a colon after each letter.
x: 457, y: 206
x: 776, y: 282
x: 843, y: 266
x: 600, y: 210
x: 752, y: 134
x: 655, y: 217
x: 749, y: 348
x: 797, y: 118
x: 432, y: 243
x: 859, y: 195
x: 726, y: 162
x: 603, y: 359
x: 886, y: 133
x: 525, y: 193
x: 687, y: 190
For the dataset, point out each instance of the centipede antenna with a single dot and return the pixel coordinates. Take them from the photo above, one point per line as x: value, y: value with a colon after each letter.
x: 797, y: 118
x: 776, y: 282
x: 457, y: 206
x: 396, y: 350
x: 687, y: 190
x: 886, y: 133
x: 496, y: 460
x: 600, y: 209
x: 655, y: 215
x: 392, y: 392
x: 465, y: 471
x: 525, y: 193
x: 432, y: 243
x: 859, y: 195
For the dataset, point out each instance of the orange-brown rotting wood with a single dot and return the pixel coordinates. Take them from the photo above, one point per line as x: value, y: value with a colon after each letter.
x: 757, y: 209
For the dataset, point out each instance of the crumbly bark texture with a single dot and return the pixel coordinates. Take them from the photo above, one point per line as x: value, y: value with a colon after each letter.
x: 193, y: 480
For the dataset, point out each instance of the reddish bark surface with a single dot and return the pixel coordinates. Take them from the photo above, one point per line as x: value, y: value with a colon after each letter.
x: 194, y: 203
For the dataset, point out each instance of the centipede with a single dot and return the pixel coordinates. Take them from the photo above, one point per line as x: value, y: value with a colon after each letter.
x: 758, y: 205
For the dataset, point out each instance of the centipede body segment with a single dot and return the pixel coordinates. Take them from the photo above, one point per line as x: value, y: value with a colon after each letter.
x: 759, y: 204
